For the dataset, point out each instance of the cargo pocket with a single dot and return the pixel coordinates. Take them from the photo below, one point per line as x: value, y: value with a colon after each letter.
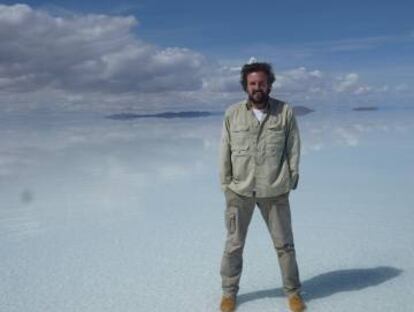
x: 240, y: 162
x: 231, y: 222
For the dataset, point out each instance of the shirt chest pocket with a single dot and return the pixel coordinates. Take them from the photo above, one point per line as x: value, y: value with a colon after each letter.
x: 274, y: 136
x: 239, y: 136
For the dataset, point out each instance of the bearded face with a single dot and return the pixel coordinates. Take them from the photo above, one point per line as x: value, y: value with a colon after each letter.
x: 258, y: 88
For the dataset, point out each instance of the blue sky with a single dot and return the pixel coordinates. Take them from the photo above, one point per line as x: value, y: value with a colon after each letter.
x: 237, y: 22
x: 347, y: 52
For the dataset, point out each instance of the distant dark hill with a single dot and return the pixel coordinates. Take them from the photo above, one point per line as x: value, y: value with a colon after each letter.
x: 365, y: 108
x: 302, y: 110
x: 167, y: 115
x: 298, y: 110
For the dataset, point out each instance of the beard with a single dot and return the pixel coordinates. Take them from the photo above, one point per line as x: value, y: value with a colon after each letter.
x: 259, y: 97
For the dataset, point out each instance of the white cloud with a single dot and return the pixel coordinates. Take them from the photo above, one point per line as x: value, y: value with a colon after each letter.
x: 301, y: 80
x: 224, y: 79
x: 347, y: 82
x: 87, y: 54
x: 98, y: 62
x: 301, y: 86
x: 362, y: 90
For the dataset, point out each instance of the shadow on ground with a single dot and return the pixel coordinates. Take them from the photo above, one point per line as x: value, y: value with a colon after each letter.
x: 327, y: 284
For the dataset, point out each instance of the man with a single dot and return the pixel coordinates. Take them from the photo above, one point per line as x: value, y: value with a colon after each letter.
x: 259, y: 162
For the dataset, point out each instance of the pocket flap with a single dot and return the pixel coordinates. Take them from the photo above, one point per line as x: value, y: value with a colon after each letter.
x: 240, y: 149
x: 240, y: 128
x: 275, y: 128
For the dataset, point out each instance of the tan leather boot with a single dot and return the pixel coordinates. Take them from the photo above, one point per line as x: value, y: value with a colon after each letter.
x: 228, y: 304
x: 296, y: 303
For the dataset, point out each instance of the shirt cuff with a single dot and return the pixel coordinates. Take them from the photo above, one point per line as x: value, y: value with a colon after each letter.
x: 294, y: 180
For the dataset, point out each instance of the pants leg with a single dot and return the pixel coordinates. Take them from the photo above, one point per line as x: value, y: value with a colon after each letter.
x: 239, y: 211
x: 276, y: 214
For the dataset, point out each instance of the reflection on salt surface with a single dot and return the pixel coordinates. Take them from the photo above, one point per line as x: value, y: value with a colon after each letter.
x: 107, y: 202
x: 73, y: 159
x: 65, y: 159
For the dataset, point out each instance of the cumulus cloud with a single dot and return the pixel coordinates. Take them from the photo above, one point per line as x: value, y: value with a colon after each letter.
x: 293, y: 81
x: 301, y: 80
x: 224, y: 79
x: 298, y: 85
x: 87, y: 53
x: 347, y: 82
x: 98, y: 62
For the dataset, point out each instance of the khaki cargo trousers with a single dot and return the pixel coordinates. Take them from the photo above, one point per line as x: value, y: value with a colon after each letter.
x: 276, y: 214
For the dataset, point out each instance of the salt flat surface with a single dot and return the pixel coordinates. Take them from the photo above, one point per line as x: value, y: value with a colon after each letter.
x: 108, y: 215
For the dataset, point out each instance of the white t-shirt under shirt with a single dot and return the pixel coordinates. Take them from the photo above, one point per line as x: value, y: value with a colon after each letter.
x: 259, y: 114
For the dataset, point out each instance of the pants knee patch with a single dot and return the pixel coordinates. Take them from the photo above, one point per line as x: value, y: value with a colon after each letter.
x: 286, y: 248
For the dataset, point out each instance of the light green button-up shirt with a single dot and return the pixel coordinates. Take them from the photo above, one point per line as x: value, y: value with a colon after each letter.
x: 260, y: 157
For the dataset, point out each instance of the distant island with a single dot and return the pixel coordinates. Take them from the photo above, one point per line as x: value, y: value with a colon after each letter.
x: 167, y: 115
x: 298, y: 111
x: 302, y: 110
x: 365, y: 108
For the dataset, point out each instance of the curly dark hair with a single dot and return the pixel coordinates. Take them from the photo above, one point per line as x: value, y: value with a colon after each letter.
x: 256, y: 67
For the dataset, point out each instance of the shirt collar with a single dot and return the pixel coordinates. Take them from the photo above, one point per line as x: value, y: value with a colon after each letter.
x: 249, y: 105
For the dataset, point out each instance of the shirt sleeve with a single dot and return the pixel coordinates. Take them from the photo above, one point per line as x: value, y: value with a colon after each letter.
x: 225, y: 156
x: 293, y: 149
